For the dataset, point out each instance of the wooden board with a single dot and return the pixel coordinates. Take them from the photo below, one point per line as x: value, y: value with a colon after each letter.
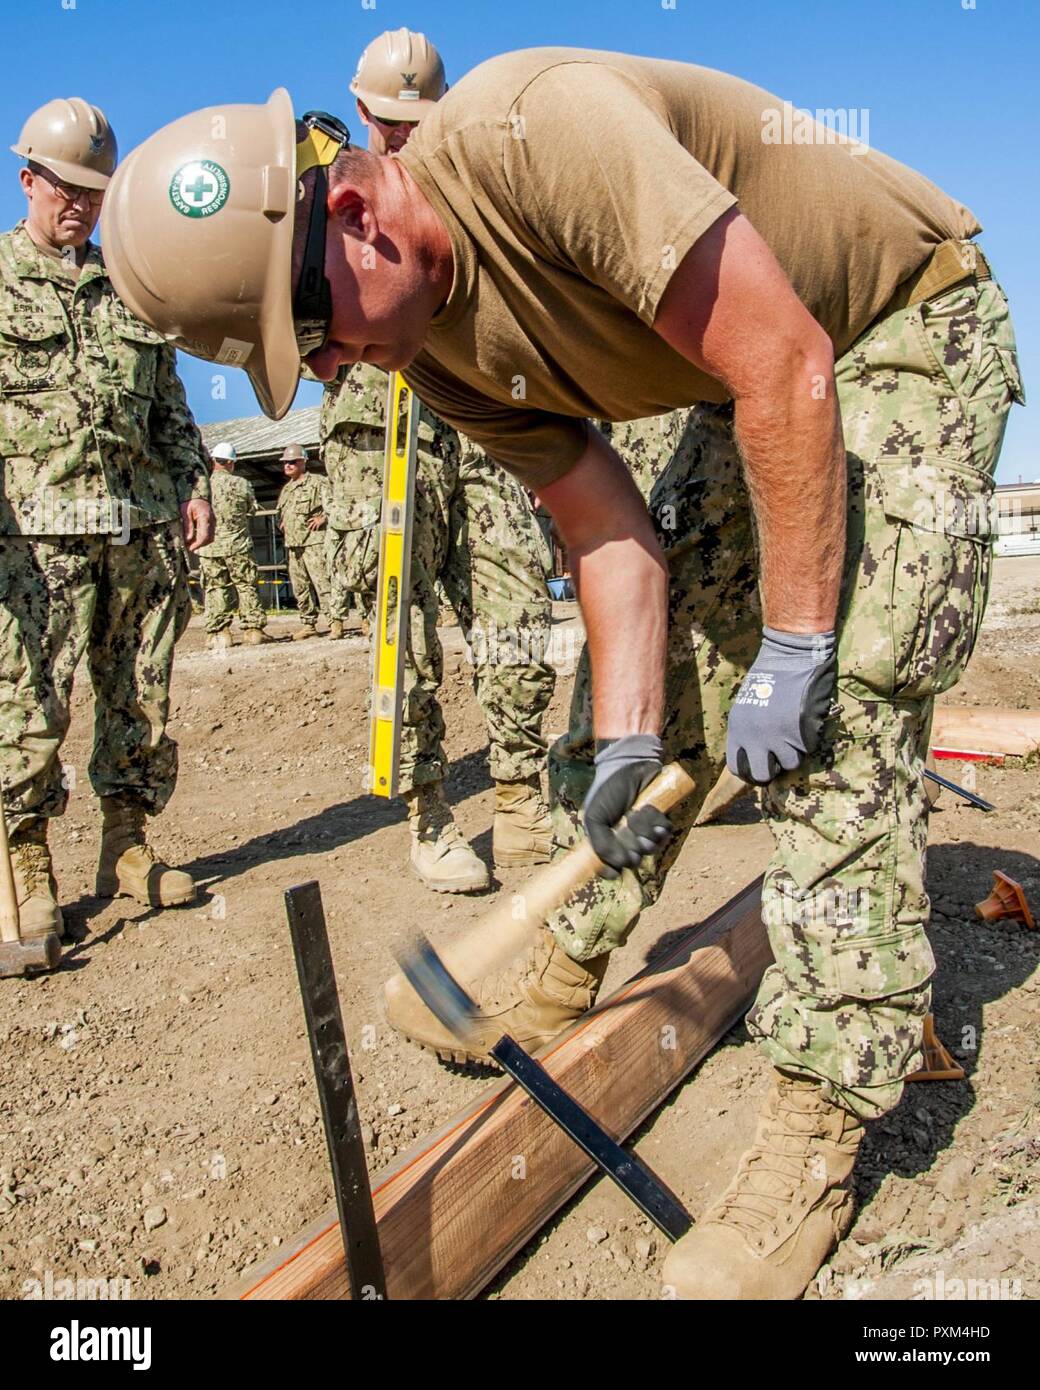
x: 982, y: 730
x: 455, y: 1208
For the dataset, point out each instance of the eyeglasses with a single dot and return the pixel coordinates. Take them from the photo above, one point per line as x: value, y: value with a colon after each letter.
x: 390, y: 125
x: 67, y: 192
x: 312, y: 305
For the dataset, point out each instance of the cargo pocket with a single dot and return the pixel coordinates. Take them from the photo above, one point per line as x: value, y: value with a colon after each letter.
x: 836, y: 944
x: 360, y: 562
x: 134, y: 351
x: 940, y: 546
x: 1012, y: 374
x: 870, y: 966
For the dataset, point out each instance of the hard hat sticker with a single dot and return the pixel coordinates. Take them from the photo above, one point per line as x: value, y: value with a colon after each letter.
x: 199, y: 189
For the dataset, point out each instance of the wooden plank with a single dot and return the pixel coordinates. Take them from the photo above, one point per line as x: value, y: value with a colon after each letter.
x: 982, y: 730
x: 459, y: 1204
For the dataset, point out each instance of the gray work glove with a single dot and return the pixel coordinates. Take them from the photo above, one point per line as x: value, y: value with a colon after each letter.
x: 624, y: 766
x: 778, y: 715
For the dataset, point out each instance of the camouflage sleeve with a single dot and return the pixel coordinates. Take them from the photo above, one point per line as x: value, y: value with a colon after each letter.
x: 251, y: 503
x: 175, y: 437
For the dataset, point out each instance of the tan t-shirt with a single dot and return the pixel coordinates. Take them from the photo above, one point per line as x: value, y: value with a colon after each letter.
x: 572, y: 183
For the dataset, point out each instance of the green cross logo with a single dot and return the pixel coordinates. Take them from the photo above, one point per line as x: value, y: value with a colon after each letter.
x: 199, y: 188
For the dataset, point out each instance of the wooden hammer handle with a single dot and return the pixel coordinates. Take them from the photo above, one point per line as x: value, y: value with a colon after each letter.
x: 508, y: 928
x: 9, y: 928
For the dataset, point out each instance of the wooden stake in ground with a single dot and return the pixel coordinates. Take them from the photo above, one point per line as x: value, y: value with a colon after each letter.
x: 455, y: 1208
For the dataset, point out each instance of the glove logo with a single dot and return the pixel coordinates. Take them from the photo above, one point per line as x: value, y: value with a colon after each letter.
x: 762, y: 689
x: 757, y: 690
x: 199, y: 189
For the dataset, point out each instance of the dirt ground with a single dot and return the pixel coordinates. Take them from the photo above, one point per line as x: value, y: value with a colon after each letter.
x: 158, y: 1118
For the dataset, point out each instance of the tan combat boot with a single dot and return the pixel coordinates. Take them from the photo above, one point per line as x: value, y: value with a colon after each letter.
x: 255, y: 637
x: 523, y: 825
x: 220, y: 641
x: 441, y: 855
x: 336, y: 629
x: 302, y: 633
x: 34, y: 886
x: 532, y: 999
x: 128, y: 866
x: 786, y: 1209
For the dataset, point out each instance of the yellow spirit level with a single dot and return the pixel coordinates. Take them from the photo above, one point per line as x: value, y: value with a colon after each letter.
x: 390, y: 634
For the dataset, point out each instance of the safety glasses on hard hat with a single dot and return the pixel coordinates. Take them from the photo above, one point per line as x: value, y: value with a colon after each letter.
x: 312, y: 303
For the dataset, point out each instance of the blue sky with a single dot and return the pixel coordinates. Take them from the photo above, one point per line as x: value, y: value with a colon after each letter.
x: 950, y: 87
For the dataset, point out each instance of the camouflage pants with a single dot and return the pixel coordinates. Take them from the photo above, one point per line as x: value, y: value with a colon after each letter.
x: 310, y: 581
x: 126, y: 606
x: 338, y: 545
x: 475, y: 532
x: 924, y: 397
x: 231, y: 581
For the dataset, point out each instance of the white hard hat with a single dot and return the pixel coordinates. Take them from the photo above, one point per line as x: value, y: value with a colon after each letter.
x: 224, y: 451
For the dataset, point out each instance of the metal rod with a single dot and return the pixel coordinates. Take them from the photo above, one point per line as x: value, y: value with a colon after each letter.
x: 637, y: 1181
x: 339, y: 1110
x: 960, y: 791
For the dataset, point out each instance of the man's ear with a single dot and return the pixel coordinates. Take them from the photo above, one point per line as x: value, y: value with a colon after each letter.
x: 26, y: 179
x: 354, y: 212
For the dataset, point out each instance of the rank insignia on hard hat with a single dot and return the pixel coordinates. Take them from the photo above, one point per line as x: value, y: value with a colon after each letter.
x: 97, y: 144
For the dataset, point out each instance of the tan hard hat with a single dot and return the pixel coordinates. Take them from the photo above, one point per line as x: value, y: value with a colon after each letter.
x: 197, y: 228
x: 72, y: 139
x: 294, y: 453
x: 400, y: 76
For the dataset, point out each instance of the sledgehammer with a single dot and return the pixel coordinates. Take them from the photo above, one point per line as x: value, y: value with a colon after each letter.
x: 506, y: 931
x: 18, y: 956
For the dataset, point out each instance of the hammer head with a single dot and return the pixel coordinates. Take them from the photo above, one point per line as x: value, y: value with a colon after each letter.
x: 29, y: 954
x: 439, y: 990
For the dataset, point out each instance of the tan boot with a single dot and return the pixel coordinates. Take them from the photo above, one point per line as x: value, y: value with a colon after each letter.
x: 255, y: 637
x: 34, y: 886
x: 532, y: 999
x: 336, y: 629
x: 219, y: 642
x: 441, y: 855
x: 523, y: 827
x: 302, y: 633
x: 128, y: 866
x: 786, y: 1209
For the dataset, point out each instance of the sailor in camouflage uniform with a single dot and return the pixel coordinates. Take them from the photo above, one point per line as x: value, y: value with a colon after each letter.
x: 229, y: 574
x: 301, y: 508
x: 102, y: 467
x: 474, y: 534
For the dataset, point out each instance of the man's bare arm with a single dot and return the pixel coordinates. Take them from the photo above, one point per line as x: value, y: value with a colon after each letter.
x: 730, y: 309
x: 622, y: 583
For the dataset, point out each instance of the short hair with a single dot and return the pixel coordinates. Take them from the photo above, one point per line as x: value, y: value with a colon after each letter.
x: 352, y: 165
